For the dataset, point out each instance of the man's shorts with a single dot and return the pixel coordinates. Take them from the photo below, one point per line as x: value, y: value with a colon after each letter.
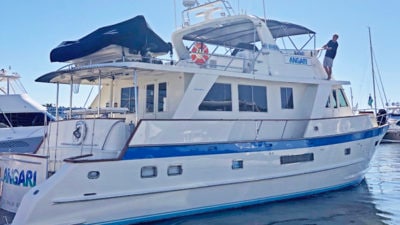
x: 328, y: 62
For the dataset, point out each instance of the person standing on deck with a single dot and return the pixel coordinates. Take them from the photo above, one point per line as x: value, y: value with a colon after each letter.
x: 331, y: 48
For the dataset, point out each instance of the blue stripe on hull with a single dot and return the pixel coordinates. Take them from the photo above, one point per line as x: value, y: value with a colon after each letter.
x: 163, y: 151
x: 228, y: 206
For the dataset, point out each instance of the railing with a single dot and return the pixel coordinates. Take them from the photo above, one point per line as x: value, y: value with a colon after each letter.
x: 118, y: 58
x: 209, y: 131
x: 242, y: 62
x: 102, y: 112
x: 307, y: 53
x: 180, y: 132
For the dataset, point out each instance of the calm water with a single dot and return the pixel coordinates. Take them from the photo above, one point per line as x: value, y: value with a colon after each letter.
x: 375, y: 201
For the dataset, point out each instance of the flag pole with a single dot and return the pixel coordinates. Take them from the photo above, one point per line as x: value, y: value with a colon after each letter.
x: 372, y: 67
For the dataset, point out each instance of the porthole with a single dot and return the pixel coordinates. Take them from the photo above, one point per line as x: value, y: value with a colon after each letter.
x: 93, y: 175
x: 237, y: 164
x: 175, y: 170
x: 148, y: 171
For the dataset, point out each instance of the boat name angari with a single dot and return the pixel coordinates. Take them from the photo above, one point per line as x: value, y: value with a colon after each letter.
x: 20, y: 178
x: 298, y: 60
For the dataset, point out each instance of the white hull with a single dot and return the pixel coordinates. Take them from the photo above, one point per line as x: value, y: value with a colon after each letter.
x: 130, y: 199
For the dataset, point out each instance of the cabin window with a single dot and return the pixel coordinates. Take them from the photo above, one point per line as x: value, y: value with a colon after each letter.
x: 342, y: 99
x: 162, y: 97
x: 287, y: 98
x: 150, y: 98
x: 252, y: 98
x: 128, y: 98
x: 219, y: 98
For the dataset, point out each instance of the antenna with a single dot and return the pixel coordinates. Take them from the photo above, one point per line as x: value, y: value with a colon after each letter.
x: 265, y: 17
x: 175, y: 25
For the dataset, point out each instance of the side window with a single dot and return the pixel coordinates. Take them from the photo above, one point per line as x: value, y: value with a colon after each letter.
x: 150, y: 98
x: 252, y: 98
x: 287, y: 98
x: 342, y: 99
x: 3, y: 121
x: 22, y: 119
x: 335, y: 105
x: 328, y: 102
x: 219, y: 98
x: 128, y: 98
x: 162, y: 97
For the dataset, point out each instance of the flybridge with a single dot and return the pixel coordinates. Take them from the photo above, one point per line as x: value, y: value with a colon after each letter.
x: 12, y: 83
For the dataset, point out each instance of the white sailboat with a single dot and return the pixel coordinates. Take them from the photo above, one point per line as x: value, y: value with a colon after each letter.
x: 212, y: 130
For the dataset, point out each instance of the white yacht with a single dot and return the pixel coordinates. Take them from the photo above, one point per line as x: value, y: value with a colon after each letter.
x: 233, y: 119
x: 22, y: 120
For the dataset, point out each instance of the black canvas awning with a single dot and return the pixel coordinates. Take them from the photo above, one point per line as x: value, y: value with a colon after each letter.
x: 134, y: 34
x: 236, y: 32
x: 284, y: 29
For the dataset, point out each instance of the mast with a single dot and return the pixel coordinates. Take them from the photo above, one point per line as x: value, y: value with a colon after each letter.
x: 372, y: 68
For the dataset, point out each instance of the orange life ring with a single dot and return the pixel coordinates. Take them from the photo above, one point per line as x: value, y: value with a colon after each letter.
x: 199, y: 53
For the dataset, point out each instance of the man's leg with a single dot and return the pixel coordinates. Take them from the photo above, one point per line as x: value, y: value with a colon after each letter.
x: 326, y: 69
x: 329, y: 72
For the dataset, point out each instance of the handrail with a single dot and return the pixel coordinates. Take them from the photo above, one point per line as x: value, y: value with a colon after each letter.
x: 109, y: 132
x: 222, y: 66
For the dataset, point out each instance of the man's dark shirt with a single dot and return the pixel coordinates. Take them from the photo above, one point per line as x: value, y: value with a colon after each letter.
x: 331, y: 53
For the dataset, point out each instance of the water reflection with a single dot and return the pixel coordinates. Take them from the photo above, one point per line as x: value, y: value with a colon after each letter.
x: 383, y: 181
x: 351, y: 206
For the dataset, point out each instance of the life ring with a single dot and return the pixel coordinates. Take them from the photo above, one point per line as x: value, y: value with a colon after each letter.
x: 79, y: 134
x: 199, y: 53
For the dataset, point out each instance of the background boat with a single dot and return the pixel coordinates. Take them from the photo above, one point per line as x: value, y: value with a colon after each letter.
x: 22, y: 120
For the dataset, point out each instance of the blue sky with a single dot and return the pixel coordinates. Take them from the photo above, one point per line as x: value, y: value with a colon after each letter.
x: 31, y: 29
